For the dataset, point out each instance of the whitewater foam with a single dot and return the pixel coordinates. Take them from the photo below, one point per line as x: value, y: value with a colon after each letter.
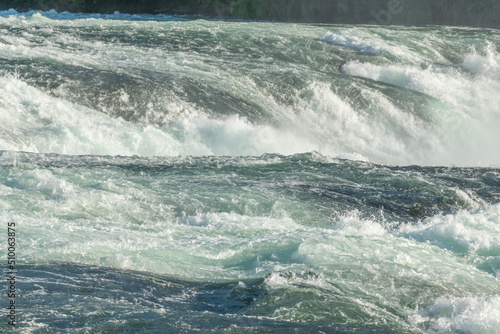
x: 133, y: 145
x: 343, y: 38
x: 198, y: 105
x: 471, y: 315
x: 36, y: 122
x: 468, y: 121
x: 485, y: 62
x: 473, y: 235
x: 55, y: 15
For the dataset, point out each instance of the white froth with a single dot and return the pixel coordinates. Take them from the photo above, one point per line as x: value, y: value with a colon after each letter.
x: 352, y: 41
x: 474, y: 315
x: 473, y: 235
x: 467, y: 128
x: 460, y: 128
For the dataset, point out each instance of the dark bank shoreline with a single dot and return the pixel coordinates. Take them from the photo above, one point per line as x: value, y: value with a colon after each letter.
x: 475, y: 13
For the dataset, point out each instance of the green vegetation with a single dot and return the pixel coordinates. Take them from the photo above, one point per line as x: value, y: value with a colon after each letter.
x: 409, y: 12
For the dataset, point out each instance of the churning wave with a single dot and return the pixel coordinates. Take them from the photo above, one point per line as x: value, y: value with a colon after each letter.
x: 216, y: 88
x: 179, y: 174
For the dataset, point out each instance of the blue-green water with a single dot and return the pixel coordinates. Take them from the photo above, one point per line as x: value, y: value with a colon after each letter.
x: 170, y: 174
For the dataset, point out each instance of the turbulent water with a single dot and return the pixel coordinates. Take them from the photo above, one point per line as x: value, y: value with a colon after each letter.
x: 176, y: 174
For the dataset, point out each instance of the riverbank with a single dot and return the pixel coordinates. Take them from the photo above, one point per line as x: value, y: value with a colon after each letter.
x: 479, y: 13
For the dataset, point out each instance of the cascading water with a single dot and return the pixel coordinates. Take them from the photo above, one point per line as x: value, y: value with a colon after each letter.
x: 174, y: 174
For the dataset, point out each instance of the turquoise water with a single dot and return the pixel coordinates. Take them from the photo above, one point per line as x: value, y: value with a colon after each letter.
x: 175, y: 174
